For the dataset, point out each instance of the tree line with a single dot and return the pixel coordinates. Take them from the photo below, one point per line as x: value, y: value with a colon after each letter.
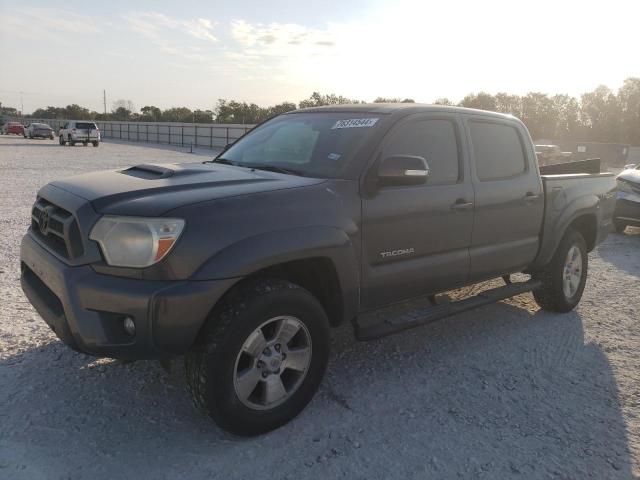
x: 601, y: 115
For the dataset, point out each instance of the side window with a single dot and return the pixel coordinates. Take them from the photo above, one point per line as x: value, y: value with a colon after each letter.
x: 498, y: 150
x: 435, y: 140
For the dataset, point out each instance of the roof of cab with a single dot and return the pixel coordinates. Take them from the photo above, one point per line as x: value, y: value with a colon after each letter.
x: 392, y: 108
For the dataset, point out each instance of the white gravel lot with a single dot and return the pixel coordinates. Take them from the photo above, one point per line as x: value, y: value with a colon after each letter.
x: 506, y: 391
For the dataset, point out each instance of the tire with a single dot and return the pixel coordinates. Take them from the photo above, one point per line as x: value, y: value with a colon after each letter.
x: 214, y: 365
x: 71, y: 142
x: 619, y: 226
x: 96, y: 144
x: 62, y: 142
x: 51, y: 137
x: 555, y: 295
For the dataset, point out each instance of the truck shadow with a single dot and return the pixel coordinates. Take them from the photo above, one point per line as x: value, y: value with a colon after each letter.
x: 492, y: 393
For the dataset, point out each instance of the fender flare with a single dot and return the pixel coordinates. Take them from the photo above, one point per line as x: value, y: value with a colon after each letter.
x: 555, y: 227
x: 268, y: 249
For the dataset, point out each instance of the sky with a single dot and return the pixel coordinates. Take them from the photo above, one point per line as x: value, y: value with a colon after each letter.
x: 187, y: 53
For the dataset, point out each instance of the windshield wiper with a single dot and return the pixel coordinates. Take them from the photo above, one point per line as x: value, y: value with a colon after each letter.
x: 223, y: 161
x: 268, y: 168
x: 273, y: 168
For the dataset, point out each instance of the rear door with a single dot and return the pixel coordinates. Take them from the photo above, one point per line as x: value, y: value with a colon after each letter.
x: 416, y: 238
x: 509, y: 201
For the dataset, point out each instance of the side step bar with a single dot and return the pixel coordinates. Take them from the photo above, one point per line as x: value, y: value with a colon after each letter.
x: 423, y: 316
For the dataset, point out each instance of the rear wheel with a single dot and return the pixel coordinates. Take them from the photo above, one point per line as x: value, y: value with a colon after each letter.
x: 71, y: 142
x: 62, y: 142
x: 619, y: 226
x: 261, y: 357
x: 564, y: 278
x: 95, y: 143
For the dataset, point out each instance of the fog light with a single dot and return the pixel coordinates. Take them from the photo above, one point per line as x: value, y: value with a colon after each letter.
x: 129, y: 326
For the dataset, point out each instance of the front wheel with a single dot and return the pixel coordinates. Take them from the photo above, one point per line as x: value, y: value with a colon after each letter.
x: 260, y: 358
x: 95, y: 143
x: 564, y: 278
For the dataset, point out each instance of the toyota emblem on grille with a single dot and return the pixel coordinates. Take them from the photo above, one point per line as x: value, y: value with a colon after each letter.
x: 43, y: 221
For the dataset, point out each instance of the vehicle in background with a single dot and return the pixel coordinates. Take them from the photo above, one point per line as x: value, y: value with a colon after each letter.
x: 38, y: 130
x: 549, y: 154
x: 15, y: 128
x: 314, y: 218
x: 627, y: 211
x: 75, y: 131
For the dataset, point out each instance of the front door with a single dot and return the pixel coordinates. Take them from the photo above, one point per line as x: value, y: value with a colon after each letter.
x: 416, y: 238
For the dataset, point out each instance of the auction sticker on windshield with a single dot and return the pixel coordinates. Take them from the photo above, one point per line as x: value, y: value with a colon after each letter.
x: 355, y: 123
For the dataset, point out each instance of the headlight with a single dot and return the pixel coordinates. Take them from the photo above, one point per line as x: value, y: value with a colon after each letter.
x: 135, y: 241
x: 624, y: 186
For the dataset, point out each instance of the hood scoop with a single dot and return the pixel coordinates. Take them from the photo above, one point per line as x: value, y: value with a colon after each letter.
x: 147, y: 171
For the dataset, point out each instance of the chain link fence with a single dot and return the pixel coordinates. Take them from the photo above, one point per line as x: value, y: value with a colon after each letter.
x: 196, y: 135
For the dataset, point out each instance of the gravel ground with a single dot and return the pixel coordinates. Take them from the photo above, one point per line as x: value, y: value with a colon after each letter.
x: 506, y: 391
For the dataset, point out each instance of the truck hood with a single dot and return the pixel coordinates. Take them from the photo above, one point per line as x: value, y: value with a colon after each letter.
x: 154, y: 189
x: 631, y: 175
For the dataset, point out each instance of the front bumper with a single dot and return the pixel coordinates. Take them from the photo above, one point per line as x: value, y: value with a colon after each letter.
x: 628, y: 208
x: 86, y: 309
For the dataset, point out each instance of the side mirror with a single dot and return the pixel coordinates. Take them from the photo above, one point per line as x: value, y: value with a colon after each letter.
x: 403, y: 170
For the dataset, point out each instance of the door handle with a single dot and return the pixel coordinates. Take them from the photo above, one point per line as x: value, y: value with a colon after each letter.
x: 462, y: 205
x: 531, y: 197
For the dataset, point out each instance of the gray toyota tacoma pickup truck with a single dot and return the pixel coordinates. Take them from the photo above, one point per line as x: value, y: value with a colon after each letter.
x: 314, y: 218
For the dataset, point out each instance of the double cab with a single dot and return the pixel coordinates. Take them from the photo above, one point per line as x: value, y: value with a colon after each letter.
x: 317, y: 217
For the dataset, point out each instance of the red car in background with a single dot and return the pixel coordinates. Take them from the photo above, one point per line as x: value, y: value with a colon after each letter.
x: 13, y: 127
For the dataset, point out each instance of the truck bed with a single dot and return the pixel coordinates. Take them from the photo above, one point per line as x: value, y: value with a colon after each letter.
x: 570, y: 196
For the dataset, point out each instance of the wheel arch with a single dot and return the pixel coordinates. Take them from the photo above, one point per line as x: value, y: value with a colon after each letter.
x: 319, y: 259
x: 587, y: 225
x: 581, y: 215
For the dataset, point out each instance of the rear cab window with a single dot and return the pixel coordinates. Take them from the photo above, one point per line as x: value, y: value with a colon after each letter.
x: 498, y: 150
x: 85, y: 126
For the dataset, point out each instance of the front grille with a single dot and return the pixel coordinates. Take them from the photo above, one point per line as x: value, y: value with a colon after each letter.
x: 57, y: 228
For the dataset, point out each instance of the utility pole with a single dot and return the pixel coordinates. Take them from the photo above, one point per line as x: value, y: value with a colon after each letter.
x: 104, y: 100
x: 21, y: 105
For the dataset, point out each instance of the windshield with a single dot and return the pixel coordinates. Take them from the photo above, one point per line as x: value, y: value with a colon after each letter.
x: 308, y: 144
x: 86, y: 126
